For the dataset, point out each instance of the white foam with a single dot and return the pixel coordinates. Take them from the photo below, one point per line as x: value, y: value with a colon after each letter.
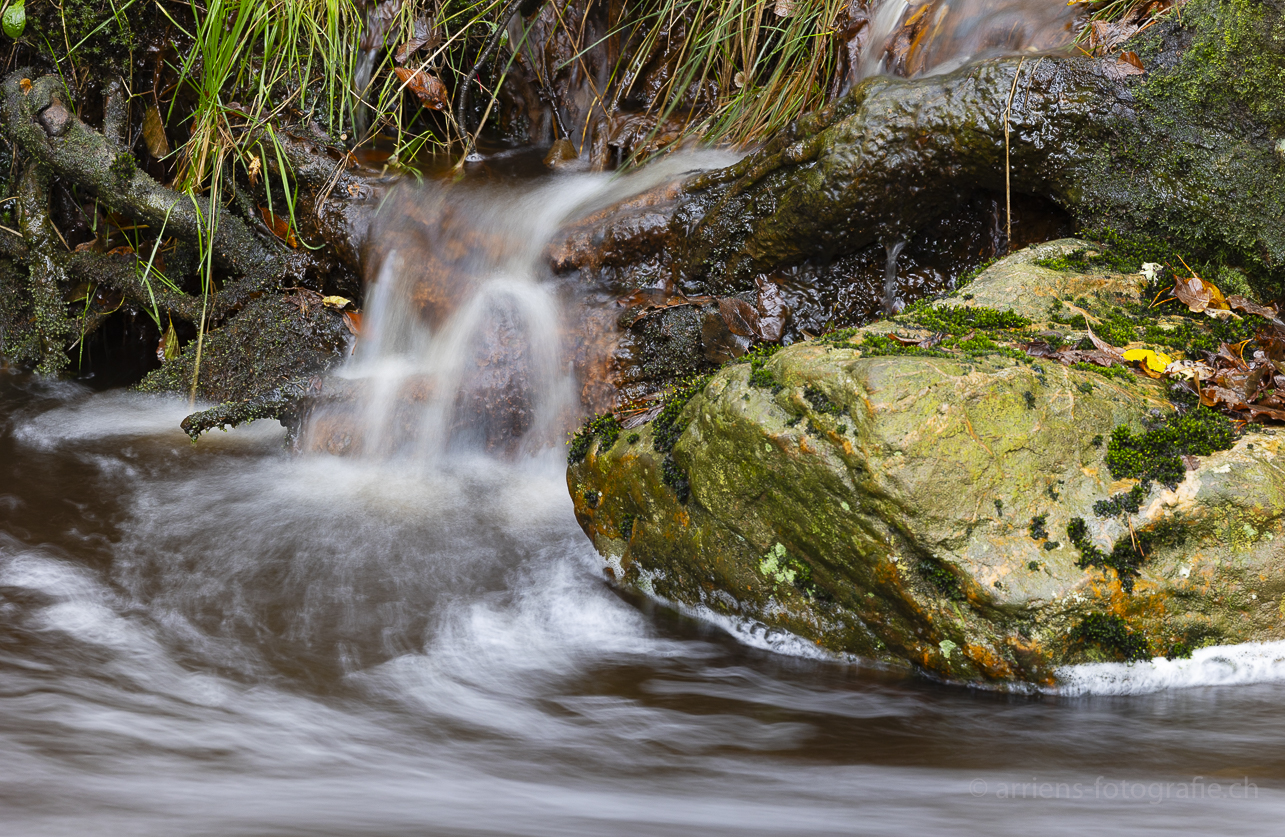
x: 1219, y: 665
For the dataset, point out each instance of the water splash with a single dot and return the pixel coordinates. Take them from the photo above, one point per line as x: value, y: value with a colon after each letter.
x: 890, y: 303
x: 916, y: 39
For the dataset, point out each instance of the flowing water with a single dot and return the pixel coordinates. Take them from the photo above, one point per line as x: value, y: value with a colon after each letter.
x: 229, y: 639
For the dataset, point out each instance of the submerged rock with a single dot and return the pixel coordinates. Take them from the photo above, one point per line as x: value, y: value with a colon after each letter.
x: 937, y: 509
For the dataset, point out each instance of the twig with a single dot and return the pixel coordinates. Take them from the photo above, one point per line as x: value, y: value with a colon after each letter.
x: 461, y: 101
x: 1008, y: 182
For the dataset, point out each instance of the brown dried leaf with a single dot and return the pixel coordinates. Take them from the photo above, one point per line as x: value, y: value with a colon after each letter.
x: 352, y: 321
x: 280, y: 226
x: 1240, y: 303
x: 25, y: 86
x: 154, y: 132
x: 773, y: 311
x: 1132, y: 59
x: 1103, y: 346
x: 739, y: 316
x: 1259, y: 411
x: 424, y: 36
x: 429, y: 88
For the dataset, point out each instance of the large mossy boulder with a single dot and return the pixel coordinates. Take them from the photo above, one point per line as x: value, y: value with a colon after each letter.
x: 937, y: 508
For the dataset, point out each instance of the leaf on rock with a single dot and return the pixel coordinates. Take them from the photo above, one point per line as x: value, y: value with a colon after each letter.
x: 773, y: 311
x: 1102, y: 345
x: 1240, y: 303
x: 1199, y: 295
x: 339, y: 302
x: 739, y: 316
x: 429, y: 88
x: 280, y: 226
x: 352, y: 321
x: 1153, y: 363
x: 167, y: 348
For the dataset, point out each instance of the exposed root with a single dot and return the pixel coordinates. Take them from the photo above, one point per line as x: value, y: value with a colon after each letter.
x: 47, y: 275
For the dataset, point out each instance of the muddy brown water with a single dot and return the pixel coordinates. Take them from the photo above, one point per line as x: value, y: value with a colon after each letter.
x: 226, y: 639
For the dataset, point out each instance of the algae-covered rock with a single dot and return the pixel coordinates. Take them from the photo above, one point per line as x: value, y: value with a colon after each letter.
x: 937, y: 508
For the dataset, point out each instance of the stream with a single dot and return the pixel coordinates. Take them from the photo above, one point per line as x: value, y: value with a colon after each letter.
x: 228, y: 639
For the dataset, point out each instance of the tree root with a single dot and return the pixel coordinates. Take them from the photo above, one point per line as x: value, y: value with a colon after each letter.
x: 42, y: 126
x: 286, y: 403
x: 47, y: 275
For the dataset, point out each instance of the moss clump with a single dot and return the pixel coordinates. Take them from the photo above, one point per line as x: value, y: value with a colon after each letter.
x: 124, y: 166
x: 666, y: 430
x: 820, y: 402
x: 946, y: 582
x: 760, y: 377
x: 1038, y: 527
x: 627, y: 526
x: 880, y: 345
x: 604, y: 427
x: 1118, y: 373
x: 1111, y: 634
x: 668, y: 425
x: 591, y: 499
x: 959, y: 320
x: 1234, y: 66
x: 1113, y: 252
x: 1156, y: 454
x: 1127, y: 554
x: 1125, y: 502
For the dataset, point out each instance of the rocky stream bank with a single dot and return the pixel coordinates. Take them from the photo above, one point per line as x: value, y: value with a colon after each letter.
x: 976, y: 497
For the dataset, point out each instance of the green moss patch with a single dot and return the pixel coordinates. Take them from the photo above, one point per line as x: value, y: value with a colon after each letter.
x: 1111, y: 634
x: 1157, y: 454
x: 603, y: 427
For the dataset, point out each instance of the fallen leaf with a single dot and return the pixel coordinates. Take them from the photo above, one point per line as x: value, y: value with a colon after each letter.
x: 1198, y: 295
x: 1153, y: 363
x: 15, y: 19
x: 429, y: 88
x: 123, y: 250
x: 1151, y: 271
x: 167, y: 348
x: 1250, y: 307
x: 422, y: 36
x: 280, y: 227
x: 1102, y: 345
x: 254, y: 169
x: 739, y: 316
x: 1132, y: 59
x: 25, y: 86
x: 352, y: 320
x: 339, y: 302
x: 154, y: 132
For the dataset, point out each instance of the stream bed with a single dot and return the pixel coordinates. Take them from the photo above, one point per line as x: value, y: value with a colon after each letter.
x: 227, y: 639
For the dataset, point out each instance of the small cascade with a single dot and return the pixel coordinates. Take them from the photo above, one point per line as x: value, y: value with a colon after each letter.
x: 917, y: 38
x: 884, y: 24
x: 464, y: 339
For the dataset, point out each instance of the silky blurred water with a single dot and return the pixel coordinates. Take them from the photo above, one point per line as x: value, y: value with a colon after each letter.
x: 223, y: 638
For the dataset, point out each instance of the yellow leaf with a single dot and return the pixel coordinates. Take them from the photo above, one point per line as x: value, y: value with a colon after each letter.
x: 339, y: 302
x: 1153, y: 361
x: 167, y: 349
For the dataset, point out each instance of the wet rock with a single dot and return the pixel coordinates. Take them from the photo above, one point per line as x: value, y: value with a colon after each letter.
x: 922, y: 509
x: 55, y: 119
x: 274, y: 339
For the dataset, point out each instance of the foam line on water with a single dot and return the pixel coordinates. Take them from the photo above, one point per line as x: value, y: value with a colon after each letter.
x: 1219, y: 665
